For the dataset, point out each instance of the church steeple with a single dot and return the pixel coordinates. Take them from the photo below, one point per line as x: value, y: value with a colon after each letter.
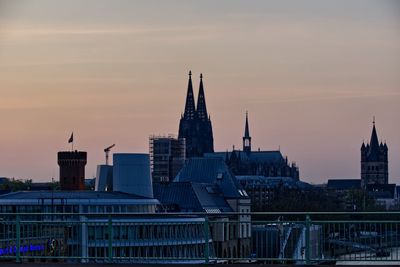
x: 190, y: 108
x: 374, y: 161
x: 374, y: 143
x: 201, y: 102
x: 246, y: 137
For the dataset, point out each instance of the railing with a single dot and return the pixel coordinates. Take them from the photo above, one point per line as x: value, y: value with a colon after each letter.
x: 283, y: 237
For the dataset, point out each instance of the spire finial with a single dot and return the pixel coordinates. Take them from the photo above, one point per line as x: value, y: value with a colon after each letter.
x: 190, y: 73
x: 201, y: 75
x: 373, y: 120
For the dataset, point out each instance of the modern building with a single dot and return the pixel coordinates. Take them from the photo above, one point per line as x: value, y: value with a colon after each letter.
x: 195, y: 123
x: 87, y: 226
x: 131, y: 174
x: 167, y: 156
x: 259, y: 163
x: 104, y: 178
x: 125, y: 224
x: 72, y: 169
x: 374, y: 161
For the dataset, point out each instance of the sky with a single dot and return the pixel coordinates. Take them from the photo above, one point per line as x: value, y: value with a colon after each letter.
x: 311, y: 74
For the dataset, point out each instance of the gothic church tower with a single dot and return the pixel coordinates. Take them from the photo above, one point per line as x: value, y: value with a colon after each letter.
x: 195, y: 124
x: 374, y: 161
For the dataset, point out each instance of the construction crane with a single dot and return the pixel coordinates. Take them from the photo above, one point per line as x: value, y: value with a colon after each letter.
x: 107, y: 151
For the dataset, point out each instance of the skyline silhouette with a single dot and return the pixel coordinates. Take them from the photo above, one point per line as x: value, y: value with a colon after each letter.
x: 311, y: 76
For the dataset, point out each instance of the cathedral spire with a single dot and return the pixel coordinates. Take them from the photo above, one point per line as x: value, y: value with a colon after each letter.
x: 246, y: 127
x: 246, y: 137
x: 201, y: 102
x: 189, y: 106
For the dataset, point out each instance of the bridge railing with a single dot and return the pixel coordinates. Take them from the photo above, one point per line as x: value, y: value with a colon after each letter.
x: 267, y: 237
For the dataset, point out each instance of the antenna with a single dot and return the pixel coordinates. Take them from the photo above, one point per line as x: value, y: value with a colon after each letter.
x: 107, y: 151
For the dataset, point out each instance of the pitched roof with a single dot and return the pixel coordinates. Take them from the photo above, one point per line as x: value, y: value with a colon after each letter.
x: 190, y: 196
x: 210, y: 171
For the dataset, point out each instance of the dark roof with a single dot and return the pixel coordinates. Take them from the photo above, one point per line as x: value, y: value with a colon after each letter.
x: 210, y: 171
x: 344, y: 184
x: 253, y: 156
x: 6, y: 191
x: 191, y: 196
x: 180, y: 194
x: 69, y: 195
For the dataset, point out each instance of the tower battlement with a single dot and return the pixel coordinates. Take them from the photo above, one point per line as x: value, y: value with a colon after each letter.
x: 72, y: 169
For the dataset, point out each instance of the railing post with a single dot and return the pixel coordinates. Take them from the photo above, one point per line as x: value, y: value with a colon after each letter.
x: 110, y: 239
x: 206, y: 238
x: 18, y: 238
x: 307, y: 252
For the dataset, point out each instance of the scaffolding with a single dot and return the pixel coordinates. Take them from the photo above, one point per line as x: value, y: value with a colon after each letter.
x: 167, y: 156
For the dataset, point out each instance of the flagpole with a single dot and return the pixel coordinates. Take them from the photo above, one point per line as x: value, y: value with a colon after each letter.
x: 71, y: 140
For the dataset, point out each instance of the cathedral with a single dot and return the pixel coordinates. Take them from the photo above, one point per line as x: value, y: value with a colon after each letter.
x: 195, y: 124
x: 195, y: 127
x: 374, y: 161
x: 247, y: 162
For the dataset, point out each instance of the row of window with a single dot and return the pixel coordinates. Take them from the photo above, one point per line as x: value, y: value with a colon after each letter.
x: 147, y: 232
x: 176, y: 252
x: 64, y: 208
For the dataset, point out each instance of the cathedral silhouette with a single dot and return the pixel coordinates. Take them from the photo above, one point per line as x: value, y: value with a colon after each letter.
x: 195, y: 127
x: 195, y: 124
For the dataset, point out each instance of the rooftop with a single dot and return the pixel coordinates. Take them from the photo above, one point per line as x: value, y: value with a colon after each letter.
x: 69, y: 195
x: 255, y: 156
x: 210, y: 171
x: 190, y: 196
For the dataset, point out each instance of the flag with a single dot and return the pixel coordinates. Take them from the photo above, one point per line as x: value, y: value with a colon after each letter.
x: 71, y: 139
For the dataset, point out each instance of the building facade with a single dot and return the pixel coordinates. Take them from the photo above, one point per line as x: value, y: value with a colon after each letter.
x: 167, y: 156
x: 207, y: 185
x: 374, y: 161
x: 90, y: 226
x: 195, y: 123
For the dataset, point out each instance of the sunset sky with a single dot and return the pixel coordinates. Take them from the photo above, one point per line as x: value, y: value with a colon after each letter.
x: 312, y: 74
